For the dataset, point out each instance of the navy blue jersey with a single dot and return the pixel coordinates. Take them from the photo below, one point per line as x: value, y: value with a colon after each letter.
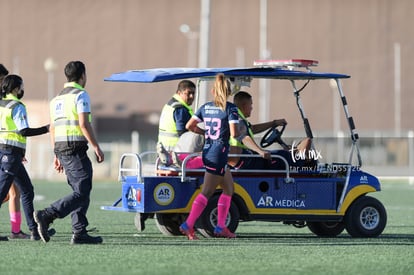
x: 217, y: 135
x: 181, y: 117
x: 216, y: 121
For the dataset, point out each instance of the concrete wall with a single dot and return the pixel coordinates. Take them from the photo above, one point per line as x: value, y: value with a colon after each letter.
x: 352, y: 37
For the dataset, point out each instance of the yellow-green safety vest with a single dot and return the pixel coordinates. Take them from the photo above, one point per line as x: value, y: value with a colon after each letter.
x: 9, y: 135
x: 235, y: 142
x: 168, y: 134
x: 65, y: 117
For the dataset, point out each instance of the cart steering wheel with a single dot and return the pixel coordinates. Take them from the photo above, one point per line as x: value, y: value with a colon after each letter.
x: 274, y: 135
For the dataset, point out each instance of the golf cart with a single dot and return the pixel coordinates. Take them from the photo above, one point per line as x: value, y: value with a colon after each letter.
x: 326, y: 197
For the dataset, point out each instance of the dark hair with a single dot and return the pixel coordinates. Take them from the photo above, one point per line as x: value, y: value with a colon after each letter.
x: 241, y: 97
x: 3, y: 70
x: 74, y: 70
x: 185, y: 84
x: 10, y: 82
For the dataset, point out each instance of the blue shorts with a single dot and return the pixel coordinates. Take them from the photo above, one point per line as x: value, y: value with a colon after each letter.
x: 215, y: 157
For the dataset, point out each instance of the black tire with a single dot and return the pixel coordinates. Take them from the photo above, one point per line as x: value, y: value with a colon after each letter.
x: 208, y: 219
x: 169, y: 223
x: 326, y: 229
x: 366, y: 217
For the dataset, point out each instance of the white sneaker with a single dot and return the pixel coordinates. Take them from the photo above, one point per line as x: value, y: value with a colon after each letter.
x: 163, y: 155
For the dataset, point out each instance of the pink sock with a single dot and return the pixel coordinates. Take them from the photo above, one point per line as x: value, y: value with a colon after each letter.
x: 194, y: 163
x: 197, y: 208
x: 223, y: 207
x: 15, y: 221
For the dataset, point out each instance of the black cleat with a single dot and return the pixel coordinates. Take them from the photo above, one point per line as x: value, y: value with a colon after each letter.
x: 51, y: 232
x: 34, y: 236
x: 43, y: 221
x: 85, y: 238
x: 3, y: 238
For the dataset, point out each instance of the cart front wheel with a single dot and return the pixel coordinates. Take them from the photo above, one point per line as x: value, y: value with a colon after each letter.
x: 366, y: 217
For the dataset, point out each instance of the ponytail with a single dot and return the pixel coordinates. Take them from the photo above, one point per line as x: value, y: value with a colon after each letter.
x: 221, y: 91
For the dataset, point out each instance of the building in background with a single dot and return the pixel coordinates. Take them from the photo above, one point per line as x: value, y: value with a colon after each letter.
x: 368, y: 40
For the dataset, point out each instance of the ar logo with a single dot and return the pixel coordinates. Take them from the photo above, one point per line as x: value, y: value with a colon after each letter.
x: 59, y: 108
x: 164, y: 193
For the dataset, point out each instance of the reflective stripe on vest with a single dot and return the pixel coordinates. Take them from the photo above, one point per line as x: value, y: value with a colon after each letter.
x: 168, y: 134
x: 65, y: 117
x: 235, y: 142
x: 9, y: 134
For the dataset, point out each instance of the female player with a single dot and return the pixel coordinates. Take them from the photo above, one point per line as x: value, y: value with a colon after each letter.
x: 220, y: 118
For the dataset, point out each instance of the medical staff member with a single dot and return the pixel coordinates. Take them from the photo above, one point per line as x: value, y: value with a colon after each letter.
x: 244, y: 103
x: 71, y: 132
x: 14, y: 128
x: 175, y: 115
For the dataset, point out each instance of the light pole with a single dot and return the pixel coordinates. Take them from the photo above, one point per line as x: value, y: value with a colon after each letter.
x: 50, y: 67
x: 397, y: 88
x: 264, y: 94
x: 192, y: 37
x: 204, y: 47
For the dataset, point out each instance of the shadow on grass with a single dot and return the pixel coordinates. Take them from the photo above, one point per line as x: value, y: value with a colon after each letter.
x: 299, y: 238
x: 248, y: 239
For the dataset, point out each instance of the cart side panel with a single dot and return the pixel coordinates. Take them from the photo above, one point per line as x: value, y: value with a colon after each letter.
x: 156, y: 193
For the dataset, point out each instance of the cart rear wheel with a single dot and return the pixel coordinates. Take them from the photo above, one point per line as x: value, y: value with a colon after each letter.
x: 326, y: 229
x: 366, y: 217
x: 169, y: 224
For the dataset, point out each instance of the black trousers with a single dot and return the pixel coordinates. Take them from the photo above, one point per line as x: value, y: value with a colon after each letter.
x: 79, y: 172
x: 12, y: 169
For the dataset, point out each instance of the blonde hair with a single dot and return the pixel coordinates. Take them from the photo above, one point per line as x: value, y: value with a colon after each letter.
x: 222, y: 91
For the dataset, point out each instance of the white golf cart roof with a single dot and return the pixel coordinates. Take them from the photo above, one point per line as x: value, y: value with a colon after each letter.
x: 270, y: 69
x: 291, y: 69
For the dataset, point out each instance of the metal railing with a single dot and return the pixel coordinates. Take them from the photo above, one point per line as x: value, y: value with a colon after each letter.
x: 382, y: 155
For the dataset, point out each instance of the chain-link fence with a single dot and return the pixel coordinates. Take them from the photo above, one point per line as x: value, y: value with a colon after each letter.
x: 382, y: 155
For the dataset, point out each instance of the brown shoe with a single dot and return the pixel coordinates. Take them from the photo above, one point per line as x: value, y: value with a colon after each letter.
x: 20, y: 235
